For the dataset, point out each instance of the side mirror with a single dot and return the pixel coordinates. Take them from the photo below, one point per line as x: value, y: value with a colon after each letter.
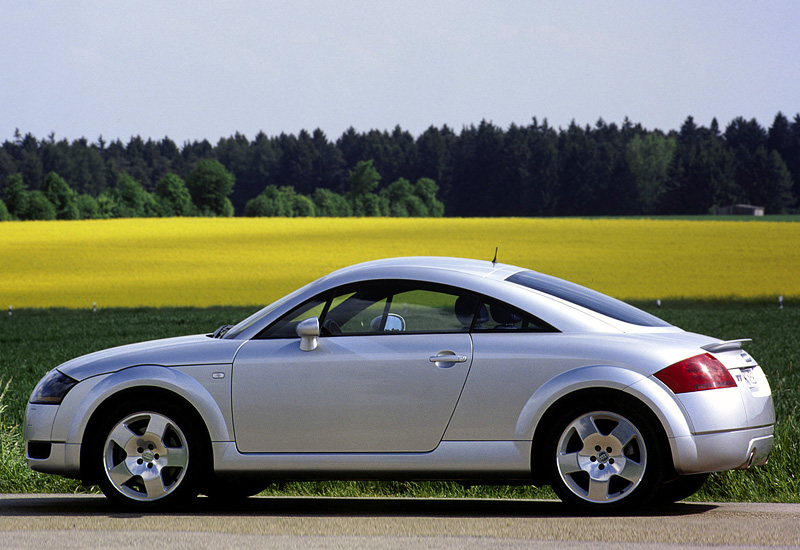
x: 394, y: 323
x: 308, y: 331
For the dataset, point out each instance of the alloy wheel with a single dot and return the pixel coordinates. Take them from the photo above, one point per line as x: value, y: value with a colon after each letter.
x: 145, y: 456
x: 601, y: 457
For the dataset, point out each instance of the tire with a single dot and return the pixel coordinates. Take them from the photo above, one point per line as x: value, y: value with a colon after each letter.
x: 147, y: 456
x: 604, y: 456
x: 680, y: 488
x: 229, y: 490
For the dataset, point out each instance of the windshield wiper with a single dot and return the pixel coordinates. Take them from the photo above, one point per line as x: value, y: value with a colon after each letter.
x: 220, y: 332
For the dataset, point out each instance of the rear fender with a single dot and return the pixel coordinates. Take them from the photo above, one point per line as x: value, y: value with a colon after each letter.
x: 659, y: 400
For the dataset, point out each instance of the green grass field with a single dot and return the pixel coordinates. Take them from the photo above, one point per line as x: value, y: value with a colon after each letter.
x: 33, y: 341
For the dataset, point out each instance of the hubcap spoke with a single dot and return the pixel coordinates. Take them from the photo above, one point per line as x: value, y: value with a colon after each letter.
x: 154, y: 487
x: 157, y: 427
x: 598, y: 490
x: 123, y: 437
x: 568, y: 463
x: 624, y: 433
x: 585, y: 427
x: 120, y: 474
x: 632, y: 471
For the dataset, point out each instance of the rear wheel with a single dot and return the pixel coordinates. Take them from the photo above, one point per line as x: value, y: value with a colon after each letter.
x: 604, y: 456
x: 148, y: 456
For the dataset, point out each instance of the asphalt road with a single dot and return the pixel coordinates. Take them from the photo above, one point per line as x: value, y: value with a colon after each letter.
x: 79, y: 521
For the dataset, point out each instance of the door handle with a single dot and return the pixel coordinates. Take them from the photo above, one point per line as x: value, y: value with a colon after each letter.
x: 447, y: 359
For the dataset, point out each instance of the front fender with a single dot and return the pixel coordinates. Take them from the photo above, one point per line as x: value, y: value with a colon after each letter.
x: 83, y: 400
x: 666, y: 408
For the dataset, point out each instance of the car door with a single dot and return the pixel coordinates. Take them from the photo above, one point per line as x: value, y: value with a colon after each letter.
x: 385, y: 376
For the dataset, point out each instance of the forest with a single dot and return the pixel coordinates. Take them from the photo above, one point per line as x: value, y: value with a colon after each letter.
x: 484, y: 170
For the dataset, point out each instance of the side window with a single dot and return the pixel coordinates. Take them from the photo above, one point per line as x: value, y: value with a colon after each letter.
x: 385, y: 307
x: 357, y: 313
x: 425, y: 311
x: 390, y: 307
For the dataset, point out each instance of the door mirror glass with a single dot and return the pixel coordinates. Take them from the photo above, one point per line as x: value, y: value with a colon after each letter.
x: 394, y: 323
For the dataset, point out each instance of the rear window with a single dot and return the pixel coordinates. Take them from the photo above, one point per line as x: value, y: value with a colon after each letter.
x: 585, y: 297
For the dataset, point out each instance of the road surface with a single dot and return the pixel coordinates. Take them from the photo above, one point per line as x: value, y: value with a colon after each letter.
x: 82, y: 522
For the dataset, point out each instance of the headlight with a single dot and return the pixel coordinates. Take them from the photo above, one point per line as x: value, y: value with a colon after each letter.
x: 52, y: 388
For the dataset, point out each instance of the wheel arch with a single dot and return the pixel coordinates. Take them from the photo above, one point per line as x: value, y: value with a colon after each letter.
x: 568, y: 401
x: 609, y: 382
x: 143, y: 392
x: 148, y: 382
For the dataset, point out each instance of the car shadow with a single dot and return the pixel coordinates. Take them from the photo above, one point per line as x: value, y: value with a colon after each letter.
x: 96, y: 505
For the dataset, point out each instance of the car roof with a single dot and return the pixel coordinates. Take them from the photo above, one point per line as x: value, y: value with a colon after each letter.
x: 477, y: 268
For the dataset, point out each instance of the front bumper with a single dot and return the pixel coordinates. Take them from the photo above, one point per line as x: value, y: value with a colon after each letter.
x: 64, y: 460
x: 715, y: 452
x: 43, y: 454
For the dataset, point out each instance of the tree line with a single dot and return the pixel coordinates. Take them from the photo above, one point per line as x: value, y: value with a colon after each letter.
x: 483, y: 170
x: 205, y: 192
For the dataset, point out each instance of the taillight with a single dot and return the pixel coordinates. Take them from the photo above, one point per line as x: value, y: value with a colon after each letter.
x: 698, y: 373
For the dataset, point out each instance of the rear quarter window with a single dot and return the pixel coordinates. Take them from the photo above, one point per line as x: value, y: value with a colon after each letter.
x: 587, y: 298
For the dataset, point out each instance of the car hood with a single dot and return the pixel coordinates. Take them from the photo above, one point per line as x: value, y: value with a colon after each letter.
x: 170, y: 352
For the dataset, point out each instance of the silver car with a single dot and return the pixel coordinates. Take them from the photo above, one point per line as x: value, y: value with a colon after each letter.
x: 411, y: 369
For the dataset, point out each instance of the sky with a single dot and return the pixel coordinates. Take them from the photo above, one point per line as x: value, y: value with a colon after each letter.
x: 194, y: 70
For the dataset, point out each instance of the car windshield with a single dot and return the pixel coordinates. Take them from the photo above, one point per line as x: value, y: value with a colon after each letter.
x: 587, y: 298
x: 260, y: 314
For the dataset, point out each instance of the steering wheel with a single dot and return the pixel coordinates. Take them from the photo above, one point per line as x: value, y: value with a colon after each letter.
x: 332, y: 327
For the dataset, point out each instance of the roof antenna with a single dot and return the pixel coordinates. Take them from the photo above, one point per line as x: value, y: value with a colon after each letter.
x: 494, y: 261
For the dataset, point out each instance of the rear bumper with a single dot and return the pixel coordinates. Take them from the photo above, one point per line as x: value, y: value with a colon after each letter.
x: 714, y: 452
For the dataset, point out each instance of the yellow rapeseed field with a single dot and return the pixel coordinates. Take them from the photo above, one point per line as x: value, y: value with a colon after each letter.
x: 246, y: 261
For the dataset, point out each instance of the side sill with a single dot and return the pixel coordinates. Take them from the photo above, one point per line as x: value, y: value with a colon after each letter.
x: 450, y: 460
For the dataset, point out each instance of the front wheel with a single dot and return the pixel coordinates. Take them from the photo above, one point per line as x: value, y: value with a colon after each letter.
x: 148, y: 456
x: 604, y: 456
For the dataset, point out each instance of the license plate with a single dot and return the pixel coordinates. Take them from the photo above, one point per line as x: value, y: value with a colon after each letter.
x: 748, y: 377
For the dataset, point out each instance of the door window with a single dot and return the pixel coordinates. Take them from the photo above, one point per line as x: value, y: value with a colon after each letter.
x: 390, y: 307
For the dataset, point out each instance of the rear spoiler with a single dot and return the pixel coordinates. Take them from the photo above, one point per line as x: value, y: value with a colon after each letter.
x: 726, y: 346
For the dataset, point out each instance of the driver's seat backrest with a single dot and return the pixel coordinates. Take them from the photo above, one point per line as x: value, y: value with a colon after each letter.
x: 465, y: 311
